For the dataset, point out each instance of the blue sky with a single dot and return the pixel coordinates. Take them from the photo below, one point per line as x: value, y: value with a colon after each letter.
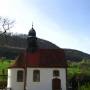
x: 66, y: 23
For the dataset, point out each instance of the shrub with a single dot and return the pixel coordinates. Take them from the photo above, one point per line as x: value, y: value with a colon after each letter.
x: 85, y: 87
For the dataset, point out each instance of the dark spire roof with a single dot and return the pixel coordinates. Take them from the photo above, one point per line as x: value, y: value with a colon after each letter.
x: 32, y: 32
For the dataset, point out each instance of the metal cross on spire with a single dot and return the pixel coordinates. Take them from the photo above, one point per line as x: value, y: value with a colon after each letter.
x: 32, y: 24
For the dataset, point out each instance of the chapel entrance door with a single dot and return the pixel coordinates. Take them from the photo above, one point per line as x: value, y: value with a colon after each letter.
x: 56, y: 84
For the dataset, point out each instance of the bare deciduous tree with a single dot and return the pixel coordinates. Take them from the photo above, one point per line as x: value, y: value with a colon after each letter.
x: 6, y: 24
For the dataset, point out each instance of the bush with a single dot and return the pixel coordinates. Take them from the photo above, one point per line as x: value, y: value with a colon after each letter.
x: 3, y: 84
x: 85, y: 87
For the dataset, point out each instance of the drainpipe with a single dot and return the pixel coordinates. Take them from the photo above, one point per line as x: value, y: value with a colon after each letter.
x: 25, y: 77
x: 25, y: 73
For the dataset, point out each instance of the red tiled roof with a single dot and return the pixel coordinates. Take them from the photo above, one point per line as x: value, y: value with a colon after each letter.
x: 41, y: 58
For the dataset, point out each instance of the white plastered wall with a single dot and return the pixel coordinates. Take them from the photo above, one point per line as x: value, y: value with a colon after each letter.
x: 12, y: 80
x: 46, y: 76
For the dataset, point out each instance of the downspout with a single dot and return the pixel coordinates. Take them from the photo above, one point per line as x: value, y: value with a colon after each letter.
x: 25, y: 73
x: 66, y: 79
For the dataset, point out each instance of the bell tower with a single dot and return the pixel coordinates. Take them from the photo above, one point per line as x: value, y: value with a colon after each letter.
x: 32, y: 40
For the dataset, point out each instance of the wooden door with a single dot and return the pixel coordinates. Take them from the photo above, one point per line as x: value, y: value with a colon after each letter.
x: 56, y: 84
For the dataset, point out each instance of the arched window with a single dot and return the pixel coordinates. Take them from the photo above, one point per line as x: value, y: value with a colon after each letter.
x: 19, y: 76
x: 36, y: 76
x: 56, y: 73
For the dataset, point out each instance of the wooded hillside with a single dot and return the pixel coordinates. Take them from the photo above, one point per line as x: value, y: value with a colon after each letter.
x: 12, y: 45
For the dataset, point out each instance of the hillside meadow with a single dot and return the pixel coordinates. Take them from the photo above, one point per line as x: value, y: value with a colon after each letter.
x: 76, y: 68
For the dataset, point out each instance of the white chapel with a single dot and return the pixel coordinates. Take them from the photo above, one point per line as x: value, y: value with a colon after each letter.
x: 42, y: 66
